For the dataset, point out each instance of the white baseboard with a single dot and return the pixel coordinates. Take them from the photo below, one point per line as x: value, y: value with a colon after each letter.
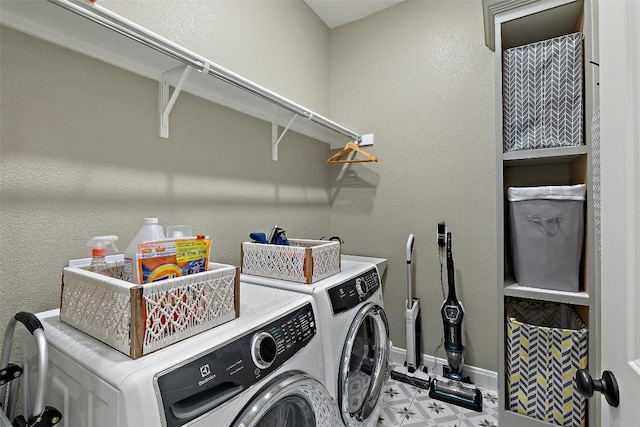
x: 480, y: 377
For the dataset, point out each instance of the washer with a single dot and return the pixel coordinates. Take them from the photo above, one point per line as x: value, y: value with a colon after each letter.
x: 355, y: 334
x: 263, y: 368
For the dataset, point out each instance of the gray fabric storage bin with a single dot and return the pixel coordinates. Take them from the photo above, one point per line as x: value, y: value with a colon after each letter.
x: 547, y: 232
x: 543, y: 94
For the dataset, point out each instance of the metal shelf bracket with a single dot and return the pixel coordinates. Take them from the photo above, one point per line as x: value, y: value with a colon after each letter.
x: 166, y: 103
x: 275, y: 139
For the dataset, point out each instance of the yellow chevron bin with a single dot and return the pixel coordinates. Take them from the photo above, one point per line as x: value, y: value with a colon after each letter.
x: 546, y: 345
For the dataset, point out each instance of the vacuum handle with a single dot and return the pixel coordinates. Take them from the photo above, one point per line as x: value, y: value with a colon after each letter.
x: 451, y: 279
x: 410, y: 242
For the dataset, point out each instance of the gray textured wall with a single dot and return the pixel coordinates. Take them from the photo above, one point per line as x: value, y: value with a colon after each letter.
x: 80, y: 153
x: 281, y: 45
x: 419, y: 77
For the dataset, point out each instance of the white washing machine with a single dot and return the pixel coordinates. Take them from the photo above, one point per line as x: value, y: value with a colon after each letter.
x: 353, y: 325
x: 262, y: 369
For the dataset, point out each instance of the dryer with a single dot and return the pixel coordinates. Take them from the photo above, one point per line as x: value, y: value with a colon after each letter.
x: 261, y: 369
x: 355, y: 333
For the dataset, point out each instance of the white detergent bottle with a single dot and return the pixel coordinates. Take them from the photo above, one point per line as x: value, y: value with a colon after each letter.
x: 98, y: 245
x: 150, y: 230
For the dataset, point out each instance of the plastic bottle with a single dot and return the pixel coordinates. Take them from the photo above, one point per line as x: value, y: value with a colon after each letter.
x: 150, y: 230
x: 98, y: 245
x: 177, y: 231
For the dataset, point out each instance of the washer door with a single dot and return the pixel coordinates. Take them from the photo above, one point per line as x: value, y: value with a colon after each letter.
x: 364, y: 366
x: 292, y: 399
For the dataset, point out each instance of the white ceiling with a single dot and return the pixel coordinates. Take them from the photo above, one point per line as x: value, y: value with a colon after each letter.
x: 338, y: 12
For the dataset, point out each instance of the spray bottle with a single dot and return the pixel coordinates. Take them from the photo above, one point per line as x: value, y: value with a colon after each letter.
x: 98, y: 245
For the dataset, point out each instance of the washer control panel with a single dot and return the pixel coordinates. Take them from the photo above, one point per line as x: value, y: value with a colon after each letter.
x: 190, y: 390
x: 346, y: 295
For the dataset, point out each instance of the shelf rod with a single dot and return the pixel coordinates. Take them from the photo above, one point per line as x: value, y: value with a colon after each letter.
x: 166, y: 103
x: 117, y: 23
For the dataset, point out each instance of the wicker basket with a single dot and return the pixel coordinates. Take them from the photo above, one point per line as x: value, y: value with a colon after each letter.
x: 138, y: 320
x: 302, y: 261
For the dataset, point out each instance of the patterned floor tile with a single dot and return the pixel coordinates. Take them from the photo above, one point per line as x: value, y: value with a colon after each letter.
x: 489, y: 398
x: 418, y: 422
x: 409, y: 416
x: 388, y: 417
x: 431, y: 423
x: 490, y: 402
x: 396, y: 392
x: 395, y: 415
x: 431, y: 409
x: 478, y: 419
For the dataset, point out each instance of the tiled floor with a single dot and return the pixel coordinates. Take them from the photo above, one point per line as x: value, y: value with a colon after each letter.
x: 408, y: 406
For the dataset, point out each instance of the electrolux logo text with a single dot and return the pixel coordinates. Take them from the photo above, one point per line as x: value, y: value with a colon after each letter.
x: 205, y: 372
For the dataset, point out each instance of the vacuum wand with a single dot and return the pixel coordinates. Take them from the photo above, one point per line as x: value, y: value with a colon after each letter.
x: 450, y: 270
x: 410, y: 242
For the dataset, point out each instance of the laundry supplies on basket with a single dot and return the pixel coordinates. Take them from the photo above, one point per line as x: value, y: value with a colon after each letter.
x: 547, y: 233
x: 546, y: 344
x: 543, y: 94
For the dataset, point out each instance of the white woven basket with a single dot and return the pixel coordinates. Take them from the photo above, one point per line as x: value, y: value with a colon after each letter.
x: 138, y: 320
x: 302, y: 261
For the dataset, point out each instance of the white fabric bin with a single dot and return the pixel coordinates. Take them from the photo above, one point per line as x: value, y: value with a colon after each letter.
x: 547, y: 233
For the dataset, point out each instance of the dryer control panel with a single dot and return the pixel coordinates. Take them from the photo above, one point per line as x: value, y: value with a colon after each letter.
x: 190, y: 390
x: 346, y: 295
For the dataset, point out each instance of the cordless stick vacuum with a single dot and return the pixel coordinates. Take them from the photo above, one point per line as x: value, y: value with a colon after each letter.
x: 451, y: 389
x: 413, y: 372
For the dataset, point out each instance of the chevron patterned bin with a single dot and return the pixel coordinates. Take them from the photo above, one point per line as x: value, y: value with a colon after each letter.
x: 546, y: 345
x: 543, y: 94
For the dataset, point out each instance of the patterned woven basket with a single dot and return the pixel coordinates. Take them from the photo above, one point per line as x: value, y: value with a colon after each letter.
x: 546, y: 345
x: 303, y: 261
x: 543, y: 94
x: 138, y: 320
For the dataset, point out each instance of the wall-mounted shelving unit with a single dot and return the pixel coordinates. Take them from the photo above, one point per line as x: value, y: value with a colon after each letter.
x: 511, y: 23
x: 90, y: 29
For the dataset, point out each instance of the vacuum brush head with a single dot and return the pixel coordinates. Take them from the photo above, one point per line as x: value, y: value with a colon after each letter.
x: 418, y: 378
x: 454, y: 392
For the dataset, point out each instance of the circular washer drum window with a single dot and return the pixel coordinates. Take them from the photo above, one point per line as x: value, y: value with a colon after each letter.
x: 363, y: 369
x: 292, y: 399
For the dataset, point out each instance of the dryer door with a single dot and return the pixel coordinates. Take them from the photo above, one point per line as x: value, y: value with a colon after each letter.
x: 292, y: 399
x: 364, y: 366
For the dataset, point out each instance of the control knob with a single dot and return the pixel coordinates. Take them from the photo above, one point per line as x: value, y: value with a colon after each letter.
x: 264, y: 349
x: 361, y: 287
